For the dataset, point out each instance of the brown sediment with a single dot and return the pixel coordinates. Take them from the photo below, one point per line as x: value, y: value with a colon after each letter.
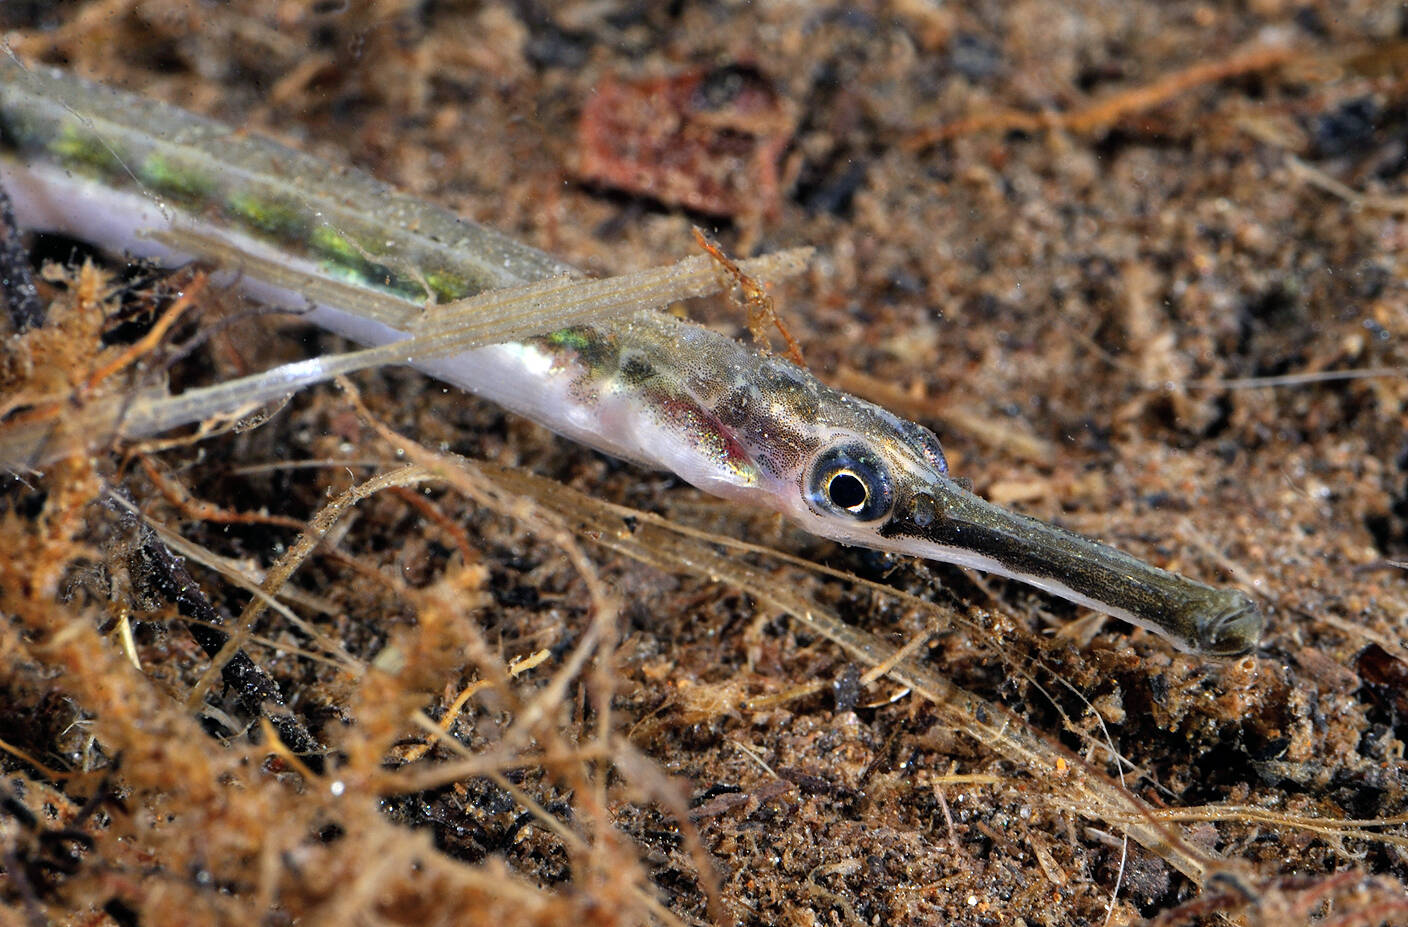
x: 1102, y: 313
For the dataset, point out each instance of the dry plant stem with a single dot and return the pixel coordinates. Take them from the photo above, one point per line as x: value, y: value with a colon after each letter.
x: 1104, y: 113
x: 48, y: 771
x: 756, y: 301
x: 198, y: 510
x: 452, y: 529
x: 251, y: 581
x: 496, y: 315
x: 441, y: 729
x: 1360, y: 201
x: 240, y: 576
x: 150, y: 340
x: 257, y: 691
x: 1308, y: 378
x: 318, y: 527
x: 279, y: 748
x: 1330, y: 827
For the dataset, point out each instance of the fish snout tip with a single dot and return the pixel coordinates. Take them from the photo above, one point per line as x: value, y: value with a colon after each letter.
x: 1235, y: 630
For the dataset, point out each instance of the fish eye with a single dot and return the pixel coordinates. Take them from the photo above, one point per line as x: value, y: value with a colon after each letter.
x: 849, y: 479
x: 847, y: 491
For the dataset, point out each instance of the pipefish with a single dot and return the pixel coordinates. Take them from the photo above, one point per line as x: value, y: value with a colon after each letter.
x: 126, y: 172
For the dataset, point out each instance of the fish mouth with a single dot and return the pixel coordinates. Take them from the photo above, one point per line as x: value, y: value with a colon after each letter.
x: 1234, y: 631
x: 942, y: 521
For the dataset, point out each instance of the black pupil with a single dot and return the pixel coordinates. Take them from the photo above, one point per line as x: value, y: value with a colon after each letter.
x: 846, y: 491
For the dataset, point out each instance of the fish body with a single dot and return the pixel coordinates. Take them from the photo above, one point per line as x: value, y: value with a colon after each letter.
x: 119, y: 170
